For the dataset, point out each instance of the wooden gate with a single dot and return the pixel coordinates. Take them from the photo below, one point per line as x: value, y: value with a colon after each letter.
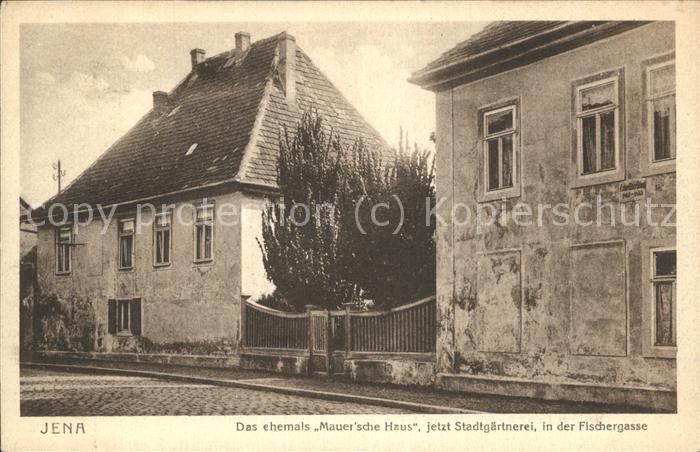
x: 328, y: 338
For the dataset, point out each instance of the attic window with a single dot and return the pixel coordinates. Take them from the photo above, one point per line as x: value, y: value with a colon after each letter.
x: 191, y: 149
x: 175, y: 110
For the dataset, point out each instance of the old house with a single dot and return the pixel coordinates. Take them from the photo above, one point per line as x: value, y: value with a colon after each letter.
x: 580, y: 117
x: 174, y: 281
x: 27, y: 274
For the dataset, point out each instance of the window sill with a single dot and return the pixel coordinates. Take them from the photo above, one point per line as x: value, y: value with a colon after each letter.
x: 499, y: 195
x: 597, y: 179
x: 203, y: 262
x: 63, y: 273
x: 124, y: 334
x: 655, y: 169
x: 660, y: 352
x: 167, y: 266
x: 126, y: 269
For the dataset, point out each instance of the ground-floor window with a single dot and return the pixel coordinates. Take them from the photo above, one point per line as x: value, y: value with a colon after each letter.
x: 659, y: 301
x: 664, y: 293
x: 125, y: 317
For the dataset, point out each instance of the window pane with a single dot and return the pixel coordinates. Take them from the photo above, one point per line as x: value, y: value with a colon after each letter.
x: 499, y: 122
x: 198, y: 242
x: 60, y: 258
x: 66, y: 258
x: 127, y: 226
x: 125, y: 250
x: 588, y: 144
x: 207, y: 242
x: 159, y: 247
x: 166, y: 246
x: 162, y: 220
x: 64, y: 236
x: 607, y: 140
x: 204, y: 213
x: 492, y: 163
x: 507, y: 174
x: 664, y: 313
x: 662, y: 127
x: 665, y: 263
x: 663, y: 80
x: 597, y: 96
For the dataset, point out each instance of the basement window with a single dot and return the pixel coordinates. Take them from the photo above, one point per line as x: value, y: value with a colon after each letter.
x: 126, y: 244
x: 124, y: 317
x: 204, y: 233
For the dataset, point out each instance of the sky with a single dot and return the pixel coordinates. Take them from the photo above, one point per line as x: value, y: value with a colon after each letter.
x: 82, y: 86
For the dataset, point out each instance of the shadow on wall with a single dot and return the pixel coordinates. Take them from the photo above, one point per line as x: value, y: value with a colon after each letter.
x: 70, y: 325
x: 64, y: 325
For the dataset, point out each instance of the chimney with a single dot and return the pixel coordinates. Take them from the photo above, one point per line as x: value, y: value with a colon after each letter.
x: 287, y: 62
x: 160, y: 102
x: 242, y: 41
x: 197, y: 56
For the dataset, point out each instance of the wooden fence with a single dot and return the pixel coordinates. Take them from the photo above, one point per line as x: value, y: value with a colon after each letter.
x: 408, y: 329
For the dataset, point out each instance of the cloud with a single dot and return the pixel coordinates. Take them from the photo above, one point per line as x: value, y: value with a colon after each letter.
x: 44, y: 78
x: 139, y: 64
x: 88, y: 84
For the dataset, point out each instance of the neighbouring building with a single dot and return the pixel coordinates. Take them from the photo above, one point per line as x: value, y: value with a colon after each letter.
x: 27, y: 275
x: 546, y: 114
x: 176, y: 285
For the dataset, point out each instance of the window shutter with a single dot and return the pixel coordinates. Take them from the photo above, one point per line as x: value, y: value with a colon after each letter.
x: 135, y: 315
x: 112, y: 317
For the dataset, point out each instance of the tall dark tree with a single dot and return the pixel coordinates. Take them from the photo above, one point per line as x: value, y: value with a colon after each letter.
x: 390, y: 250
x: 301, y: 245
x: 350, y: 223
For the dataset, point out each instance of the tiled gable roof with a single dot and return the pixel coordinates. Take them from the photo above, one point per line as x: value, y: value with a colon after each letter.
x: 494, y: 36
x: 231, y: 105
x: 313, y: 91
x: 502, y: 46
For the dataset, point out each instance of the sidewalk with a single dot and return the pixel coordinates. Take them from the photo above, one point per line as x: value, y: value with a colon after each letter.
x: 418, y: 399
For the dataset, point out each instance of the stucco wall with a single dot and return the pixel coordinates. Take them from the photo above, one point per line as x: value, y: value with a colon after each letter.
x: 530, y: 314
x: 186, y: 307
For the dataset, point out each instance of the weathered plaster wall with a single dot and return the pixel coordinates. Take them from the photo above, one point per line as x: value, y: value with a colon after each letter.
x: 518, y: 317
x: 186, y: 307
x: 254, y: 282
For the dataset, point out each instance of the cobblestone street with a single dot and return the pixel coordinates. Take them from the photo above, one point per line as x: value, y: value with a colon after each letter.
x: 49, y: 393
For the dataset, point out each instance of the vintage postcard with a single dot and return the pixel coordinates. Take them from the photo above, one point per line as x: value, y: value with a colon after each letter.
x: 362, y: 226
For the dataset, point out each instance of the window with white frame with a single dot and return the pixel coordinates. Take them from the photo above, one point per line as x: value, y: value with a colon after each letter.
x: 661, y: 111
x: 64, y: 241
x: 204, y: 233
x: 597, y: 126
x: 162, y: 237
x: 663, y: 281
x: 126, y: 244
x: 499, y: 144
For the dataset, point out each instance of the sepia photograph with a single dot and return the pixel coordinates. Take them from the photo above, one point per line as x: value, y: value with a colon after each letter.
x: 347, y: 225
